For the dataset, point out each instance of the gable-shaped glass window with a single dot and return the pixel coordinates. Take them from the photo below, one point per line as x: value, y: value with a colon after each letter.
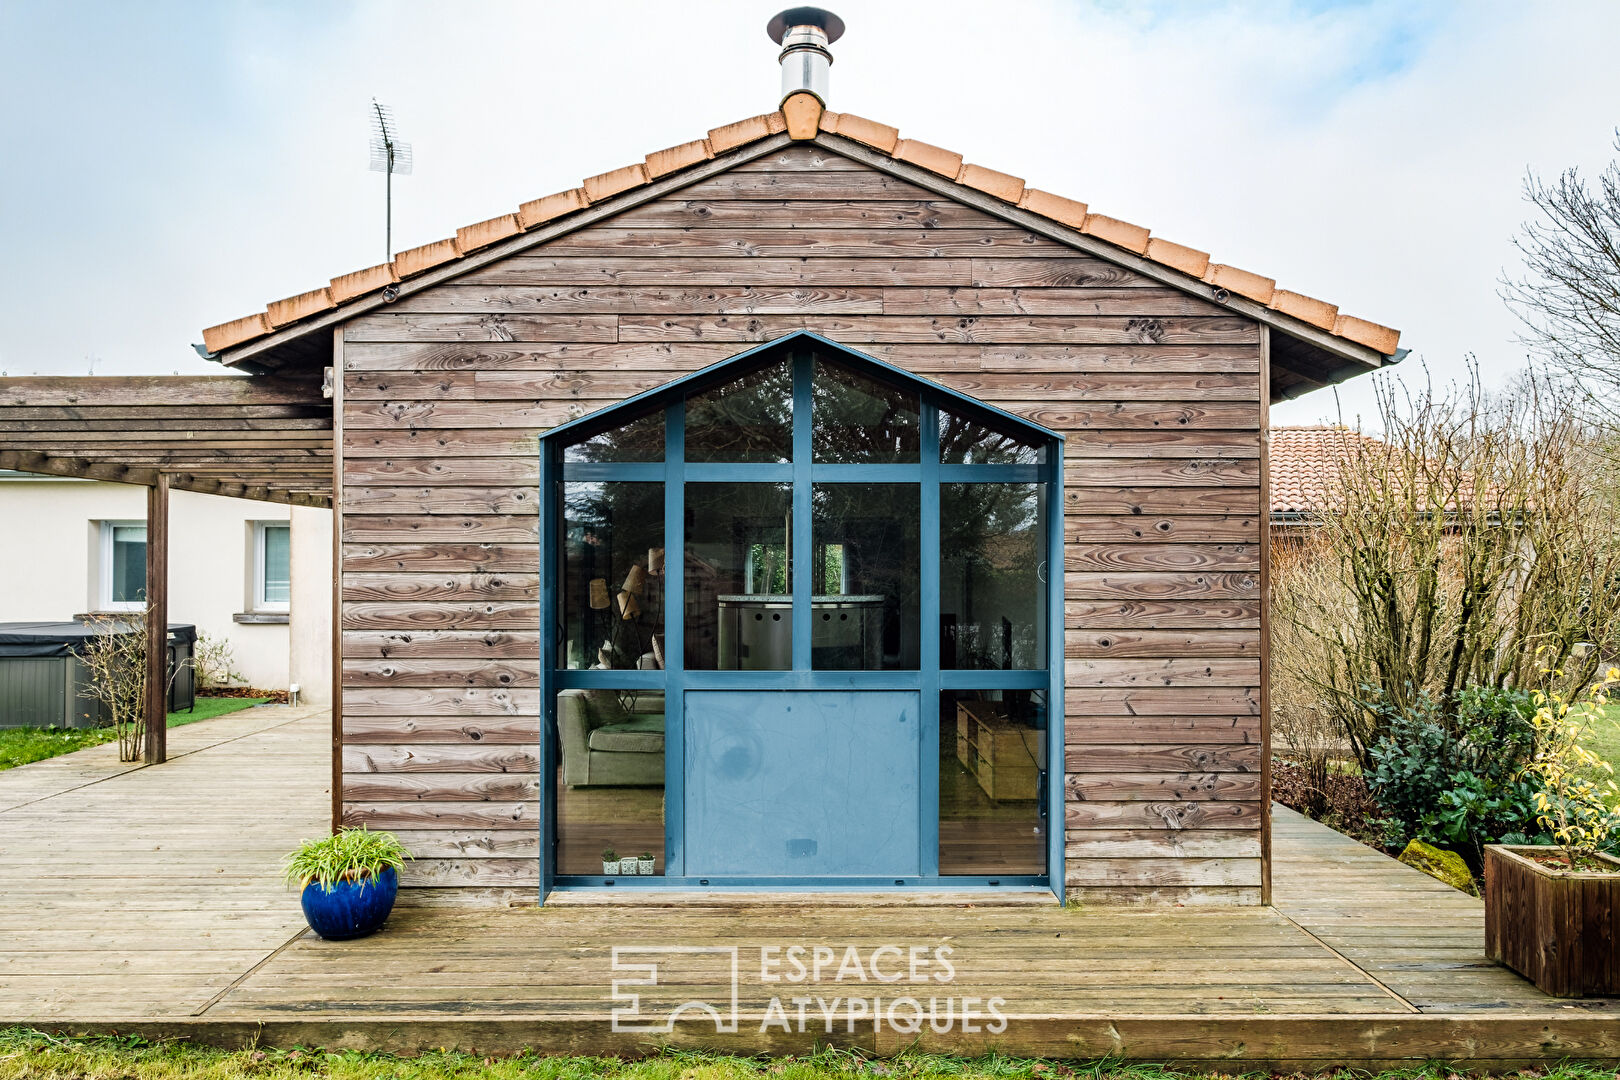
x: 799, y: 521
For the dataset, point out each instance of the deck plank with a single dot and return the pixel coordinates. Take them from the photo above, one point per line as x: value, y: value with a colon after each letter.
x: 148, y: 900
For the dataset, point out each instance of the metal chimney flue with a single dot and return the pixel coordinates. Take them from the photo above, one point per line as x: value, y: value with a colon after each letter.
x: 804, y: 34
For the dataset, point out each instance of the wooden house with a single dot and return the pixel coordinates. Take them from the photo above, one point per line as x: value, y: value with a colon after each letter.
x: 800, y: 506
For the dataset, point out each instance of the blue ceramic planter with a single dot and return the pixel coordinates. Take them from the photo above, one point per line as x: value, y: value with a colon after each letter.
x: 351, y: 909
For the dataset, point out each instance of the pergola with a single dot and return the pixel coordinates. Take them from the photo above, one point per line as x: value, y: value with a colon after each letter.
x: 255, y: 437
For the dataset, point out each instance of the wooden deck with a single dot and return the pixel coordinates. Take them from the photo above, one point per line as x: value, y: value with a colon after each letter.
x: 127, y: 905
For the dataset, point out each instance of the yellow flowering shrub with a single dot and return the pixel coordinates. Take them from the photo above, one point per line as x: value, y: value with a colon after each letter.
x: 1577, y: 809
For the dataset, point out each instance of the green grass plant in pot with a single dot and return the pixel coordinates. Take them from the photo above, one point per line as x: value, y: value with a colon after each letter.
x: 348, y: 880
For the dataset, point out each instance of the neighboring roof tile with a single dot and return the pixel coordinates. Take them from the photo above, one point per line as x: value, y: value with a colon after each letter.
x: 1304, y: 466
x: 1307, y: 468
x: 880, y: 137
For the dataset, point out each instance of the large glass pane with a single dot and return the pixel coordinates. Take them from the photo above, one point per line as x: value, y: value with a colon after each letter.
x: 739, y: 611
x: 992, y: 782
x: 992, y: 592
x: 973, y: 442
x: 612, y: 583
x: 639, y: 439
x: 277, y: 565
x: 610, y: 782
x: 860, y: 419
x: 866, y: 570
x: 749, y: 419
x: 128, y: 564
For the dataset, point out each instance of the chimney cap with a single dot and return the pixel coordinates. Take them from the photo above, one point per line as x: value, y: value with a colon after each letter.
x: 784, y: 21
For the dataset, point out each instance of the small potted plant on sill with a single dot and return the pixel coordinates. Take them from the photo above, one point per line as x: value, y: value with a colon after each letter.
x: 610, y: 862
x: 648, y: 865
x: 1552, y: 913
x: 348, y: 881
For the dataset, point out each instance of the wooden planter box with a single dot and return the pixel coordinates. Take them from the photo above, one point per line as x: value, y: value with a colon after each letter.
x: 1560, y: 929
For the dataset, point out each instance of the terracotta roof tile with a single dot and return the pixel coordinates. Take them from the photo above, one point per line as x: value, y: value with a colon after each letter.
x: 928, y: 156
x: 676, y: 158
x: 1067, y: 211
x: 1119, y: 233
x: 1189, y: 261
x: 1305, y: 308
x: 801, y: 113
x: 608, y: 184
x: 426, y: 257
x: 807, y: 116
x: 999, y: 184
x: 1230, y: 278
x: 361, y: 282
x: 1304, y: 466
x: 1378, y: 338
x: 549, y: 207
x: 485, y: 233
x: 877, y: 136
x: 290, y: 310
x: 236, y: 331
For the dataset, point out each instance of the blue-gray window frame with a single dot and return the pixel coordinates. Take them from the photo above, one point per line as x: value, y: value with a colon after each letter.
x: 929, y: 679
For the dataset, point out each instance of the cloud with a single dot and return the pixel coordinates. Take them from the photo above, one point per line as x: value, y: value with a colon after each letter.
x: 172, y: 166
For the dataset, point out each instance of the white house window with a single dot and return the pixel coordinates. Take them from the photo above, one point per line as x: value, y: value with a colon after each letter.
x: 272, y: 566
x: 123, y: 566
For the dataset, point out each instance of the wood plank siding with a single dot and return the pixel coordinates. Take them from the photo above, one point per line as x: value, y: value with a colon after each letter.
x: 1159, y: 394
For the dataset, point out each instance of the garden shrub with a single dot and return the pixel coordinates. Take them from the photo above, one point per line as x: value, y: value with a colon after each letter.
x: 1453, y: 773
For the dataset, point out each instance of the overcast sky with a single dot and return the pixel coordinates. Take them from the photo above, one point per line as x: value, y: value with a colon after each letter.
x: 167, y: 166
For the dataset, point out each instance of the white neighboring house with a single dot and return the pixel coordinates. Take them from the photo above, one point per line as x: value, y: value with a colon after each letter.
x: 255, y: 573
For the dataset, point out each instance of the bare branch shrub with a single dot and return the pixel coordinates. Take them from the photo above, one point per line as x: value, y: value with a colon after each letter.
x: 1469, y: 547
x: 1569, y: 299
x: 214, y: 661
x: 116, y: 658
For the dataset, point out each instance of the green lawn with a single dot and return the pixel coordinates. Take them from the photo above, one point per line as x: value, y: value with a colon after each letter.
x: 1606, y: 739
x: 32, y: 1055
x: 19, y: 746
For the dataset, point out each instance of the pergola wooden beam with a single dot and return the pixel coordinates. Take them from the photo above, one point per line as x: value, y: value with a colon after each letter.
x: 262, y: 438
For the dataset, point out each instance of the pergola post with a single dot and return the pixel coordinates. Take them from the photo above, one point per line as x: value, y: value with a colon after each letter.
x: 156, y: 749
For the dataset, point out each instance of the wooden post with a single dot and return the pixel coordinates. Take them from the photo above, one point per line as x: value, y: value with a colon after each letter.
x: 337, y: 578
x: 156, y: 750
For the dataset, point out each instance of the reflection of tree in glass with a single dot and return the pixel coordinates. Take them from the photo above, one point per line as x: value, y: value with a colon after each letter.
x: 869, y: 536
x: 748, y: 419
x: 991, y: 547
x: 969, y: 442
x: 642, y: 439
x: 613, y: 585
x: 859, y: 419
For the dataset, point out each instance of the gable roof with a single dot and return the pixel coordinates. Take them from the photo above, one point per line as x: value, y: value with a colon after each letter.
x: 1322, y: 344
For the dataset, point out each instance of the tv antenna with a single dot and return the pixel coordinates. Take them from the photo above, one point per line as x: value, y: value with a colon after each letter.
x: 388, y: 156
